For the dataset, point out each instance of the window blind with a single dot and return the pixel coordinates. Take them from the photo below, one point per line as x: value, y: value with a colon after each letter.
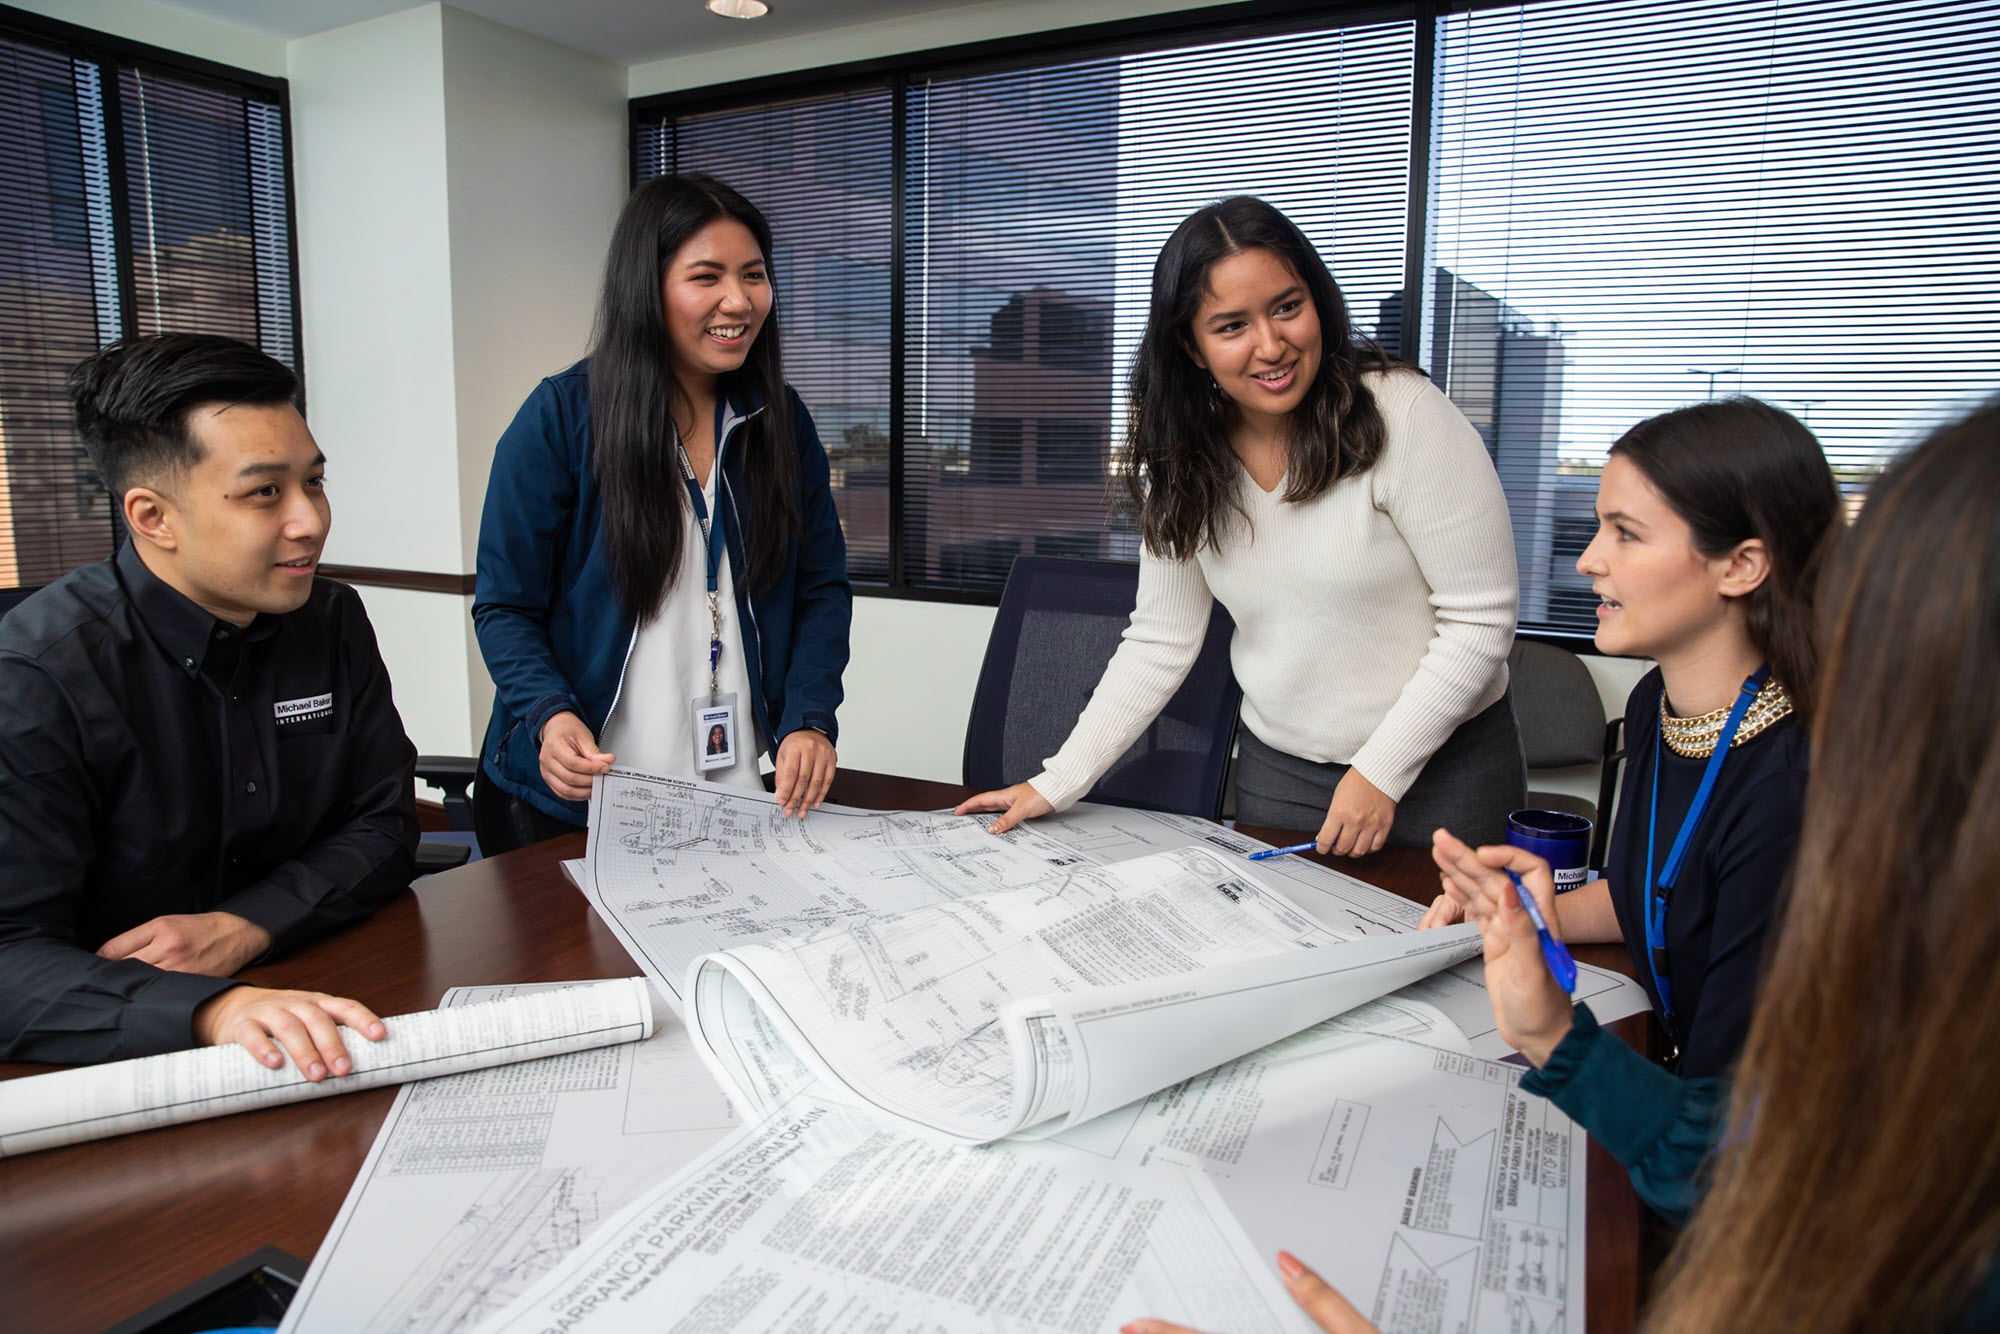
x: 1640, y: 204
x: 130, y: 198
x: 1034, y: 202
x: 821, y: 170
x: 1037, y: 202
x: 58, y: 300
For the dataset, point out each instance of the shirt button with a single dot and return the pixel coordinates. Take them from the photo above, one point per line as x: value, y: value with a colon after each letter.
x: 188, y: 663
x: 250, y: 787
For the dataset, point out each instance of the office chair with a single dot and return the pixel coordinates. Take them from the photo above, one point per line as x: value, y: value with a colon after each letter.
x: 1562, y: 725
x: 442, y: 850
x: 1060, y: 620
x: 13, y: 597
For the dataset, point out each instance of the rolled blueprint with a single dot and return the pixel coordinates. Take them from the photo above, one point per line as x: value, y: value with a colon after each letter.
x: 92, y: 1102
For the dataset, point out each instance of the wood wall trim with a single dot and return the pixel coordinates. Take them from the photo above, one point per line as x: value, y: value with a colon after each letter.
x: 419, y: 581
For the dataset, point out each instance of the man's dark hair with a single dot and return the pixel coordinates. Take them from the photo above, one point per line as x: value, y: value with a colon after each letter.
x: 132, y: 400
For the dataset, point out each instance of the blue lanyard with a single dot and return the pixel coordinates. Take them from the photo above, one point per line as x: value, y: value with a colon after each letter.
x: 711, y: 532
x: 1656, y: 894
x: 712, y: 540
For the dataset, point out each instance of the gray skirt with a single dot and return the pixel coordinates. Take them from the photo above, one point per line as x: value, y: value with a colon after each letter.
x: 1476, y: 778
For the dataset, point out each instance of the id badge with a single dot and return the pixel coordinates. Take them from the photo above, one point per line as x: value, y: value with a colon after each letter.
x: 714, y: 732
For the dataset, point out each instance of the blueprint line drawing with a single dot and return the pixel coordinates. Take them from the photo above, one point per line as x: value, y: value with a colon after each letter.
x: 479, y: 1183
x: 516, y: 1231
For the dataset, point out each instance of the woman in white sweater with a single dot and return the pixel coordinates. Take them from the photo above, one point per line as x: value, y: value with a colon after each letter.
x: 1349, y: 518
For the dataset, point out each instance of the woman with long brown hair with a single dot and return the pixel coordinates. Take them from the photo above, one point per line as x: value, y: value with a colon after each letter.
x: 1848, y: 1178
x: 1349, y: 518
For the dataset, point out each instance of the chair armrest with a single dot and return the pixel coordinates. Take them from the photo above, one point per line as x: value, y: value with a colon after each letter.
x: 454, y: 774
x: 434, y: 855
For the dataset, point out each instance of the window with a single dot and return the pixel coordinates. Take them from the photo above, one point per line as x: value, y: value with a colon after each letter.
x: 1613, y: 207
x: 1639, y: 206
x: 820, y: 170
x: 141, y: 198
x: 1069, y: 451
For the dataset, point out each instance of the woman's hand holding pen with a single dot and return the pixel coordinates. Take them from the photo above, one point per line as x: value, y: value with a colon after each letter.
x: 1531, y: 1008
x: 1015, y: 804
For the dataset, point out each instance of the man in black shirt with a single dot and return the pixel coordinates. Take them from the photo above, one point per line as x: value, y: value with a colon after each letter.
x: 200, y: 762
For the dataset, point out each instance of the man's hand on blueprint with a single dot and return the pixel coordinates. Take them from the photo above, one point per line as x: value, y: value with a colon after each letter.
x: 1315, y: 1296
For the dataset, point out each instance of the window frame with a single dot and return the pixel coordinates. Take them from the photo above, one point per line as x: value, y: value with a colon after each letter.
x: 1123, y: 37
x: 112, y: 53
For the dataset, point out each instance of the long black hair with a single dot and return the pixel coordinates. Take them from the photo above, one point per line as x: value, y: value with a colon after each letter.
x: 635, y: 400
x: 1737, y: 469
x: 1183, y: 474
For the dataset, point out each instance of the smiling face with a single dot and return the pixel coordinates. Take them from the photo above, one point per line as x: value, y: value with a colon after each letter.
x: 240, y: 532
x: 1257, y: 332
x: 717, y: 295
x: 1660, y: 595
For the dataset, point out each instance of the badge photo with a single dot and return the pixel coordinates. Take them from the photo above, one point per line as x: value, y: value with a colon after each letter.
x: 714, y: 732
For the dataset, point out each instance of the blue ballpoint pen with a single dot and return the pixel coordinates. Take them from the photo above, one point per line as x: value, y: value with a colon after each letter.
x: 1279, y: 852
x: 1553, y: 950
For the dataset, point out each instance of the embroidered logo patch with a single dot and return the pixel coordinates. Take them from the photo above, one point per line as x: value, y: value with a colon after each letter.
x: 305, y: 710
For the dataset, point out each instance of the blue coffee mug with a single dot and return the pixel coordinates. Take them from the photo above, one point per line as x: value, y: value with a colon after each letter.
x: 1558, y: 838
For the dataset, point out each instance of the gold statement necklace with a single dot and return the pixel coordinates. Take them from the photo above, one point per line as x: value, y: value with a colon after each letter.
x: 1695, y: 738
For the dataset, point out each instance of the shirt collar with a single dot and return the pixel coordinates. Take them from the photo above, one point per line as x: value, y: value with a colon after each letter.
x: 177, y: 624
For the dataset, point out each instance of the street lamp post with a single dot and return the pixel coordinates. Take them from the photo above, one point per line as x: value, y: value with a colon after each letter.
x: 1805, y: 407
x: 1727, y: 370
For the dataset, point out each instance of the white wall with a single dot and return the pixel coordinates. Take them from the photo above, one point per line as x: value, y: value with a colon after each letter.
x: 909, y: 686
x: 456, y: 181
x: 375, y: 282
x: 537, y: 164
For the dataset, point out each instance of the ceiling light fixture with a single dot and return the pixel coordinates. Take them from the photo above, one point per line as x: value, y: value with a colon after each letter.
x: 739, y: 9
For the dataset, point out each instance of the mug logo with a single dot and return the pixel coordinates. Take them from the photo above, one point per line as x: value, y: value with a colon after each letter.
x: 305, y: 710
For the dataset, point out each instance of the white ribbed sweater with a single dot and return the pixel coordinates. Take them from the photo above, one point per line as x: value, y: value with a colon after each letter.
x: 1370, y: 622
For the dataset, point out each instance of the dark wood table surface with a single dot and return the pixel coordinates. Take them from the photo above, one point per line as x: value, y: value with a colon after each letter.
x: 93, y: 1233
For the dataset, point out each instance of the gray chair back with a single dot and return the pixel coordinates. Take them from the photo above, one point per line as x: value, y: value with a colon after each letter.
x: 1059, y: 622
x: 1557, y: 705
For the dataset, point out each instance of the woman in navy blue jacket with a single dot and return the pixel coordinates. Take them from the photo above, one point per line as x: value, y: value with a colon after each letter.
x: 659, y: 551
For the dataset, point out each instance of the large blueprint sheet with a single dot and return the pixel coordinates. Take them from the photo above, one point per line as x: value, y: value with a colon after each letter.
x: 822, y: 1217
x: 479, y: 1183
x: 1421, y: 1182
x: 678, y: 869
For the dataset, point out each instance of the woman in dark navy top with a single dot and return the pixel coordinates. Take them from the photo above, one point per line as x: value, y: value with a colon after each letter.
x: 1710, y: 524
x: 1728, y: 891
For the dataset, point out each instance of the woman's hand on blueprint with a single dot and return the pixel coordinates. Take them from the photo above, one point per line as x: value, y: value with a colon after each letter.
x: 1315, y: 1296
x: 806, y: 764
x: 1015, y: 804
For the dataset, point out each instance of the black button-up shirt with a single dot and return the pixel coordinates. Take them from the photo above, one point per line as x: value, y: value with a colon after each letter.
x: 155, y: 760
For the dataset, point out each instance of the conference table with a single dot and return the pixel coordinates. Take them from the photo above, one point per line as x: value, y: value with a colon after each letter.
x: 93, y: 1233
